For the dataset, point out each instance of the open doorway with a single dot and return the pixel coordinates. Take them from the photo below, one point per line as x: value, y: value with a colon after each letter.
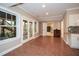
x: 49, y: 29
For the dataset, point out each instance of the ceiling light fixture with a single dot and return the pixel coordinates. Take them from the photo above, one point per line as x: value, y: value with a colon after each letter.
x: 43, y: 5
x: 47, y: 13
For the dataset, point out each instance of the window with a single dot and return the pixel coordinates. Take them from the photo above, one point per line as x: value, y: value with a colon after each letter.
x: 25, y: 29
x: 7, y: 25
x: 2, y: 17
x: 35, y: 27
x: 30, y: 29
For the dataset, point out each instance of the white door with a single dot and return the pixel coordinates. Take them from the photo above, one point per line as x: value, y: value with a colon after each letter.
x: 44, y: 29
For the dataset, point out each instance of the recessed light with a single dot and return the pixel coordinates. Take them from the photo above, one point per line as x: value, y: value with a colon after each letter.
x: 47, y: 13
x: 43, y: 5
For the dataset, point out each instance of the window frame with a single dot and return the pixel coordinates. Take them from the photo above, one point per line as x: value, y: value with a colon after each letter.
x: 27, y: 29
x: 12, y: 14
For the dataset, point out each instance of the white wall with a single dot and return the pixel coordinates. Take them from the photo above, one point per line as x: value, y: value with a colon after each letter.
x: 74, y: 20
x: 57, y: 25
x: 71, y: 18
x: 5, y: 45
x: 43, y: 28
x: 62, y: 29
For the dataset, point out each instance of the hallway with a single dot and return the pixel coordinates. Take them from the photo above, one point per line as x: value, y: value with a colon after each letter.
x: 44, y: 46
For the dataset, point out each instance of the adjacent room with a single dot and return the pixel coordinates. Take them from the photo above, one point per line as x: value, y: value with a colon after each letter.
x: 39, y: 29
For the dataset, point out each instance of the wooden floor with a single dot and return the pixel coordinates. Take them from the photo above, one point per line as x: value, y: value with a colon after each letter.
x: 44, y: 46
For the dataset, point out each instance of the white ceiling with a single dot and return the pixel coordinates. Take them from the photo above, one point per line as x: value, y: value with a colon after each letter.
x: 55, y: 10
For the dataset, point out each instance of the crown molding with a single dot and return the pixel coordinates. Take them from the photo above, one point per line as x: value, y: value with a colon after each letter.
x: 51, y: 16
x: 28, y: 13
x: 72, y: 9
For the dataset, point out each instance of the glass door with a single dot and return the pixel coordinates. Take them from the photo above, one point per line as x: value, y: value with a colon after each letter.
x: 30, y: 29
x: 25, y: 29
x: 35, y: 27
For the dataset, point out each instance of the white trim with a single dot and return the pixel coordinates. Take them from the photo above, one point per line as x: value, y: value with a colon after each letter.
x: 72, y: 9
x: 8, y: 40
x: 18, y: 34
x: 74, y: 47
x: 30, y: 39
x: 50, y: 17
x: 8, y: 10
x: 65, y: 42
x: 28, y: 13
x: 36, y: 36
x: 17, y: 26
x: 27, y: 40
x: 24, y: 41
x: 9, y: 50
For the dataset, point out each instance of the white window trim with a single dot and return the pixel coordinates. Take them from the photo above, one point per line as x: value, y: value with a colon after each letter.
x: 17, y: 27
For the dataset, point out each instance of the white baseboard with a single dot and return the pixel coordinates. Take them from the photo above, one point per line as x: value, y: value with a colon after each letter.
x: 36, y: 36
x: 66, y: 42
x: 9, y: 50
x: 30, y: 39
x: 74, y: 47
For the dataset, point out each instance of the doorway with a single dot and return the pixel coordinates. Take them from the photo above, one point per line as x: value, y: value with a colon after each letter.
x: 49, y: 27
